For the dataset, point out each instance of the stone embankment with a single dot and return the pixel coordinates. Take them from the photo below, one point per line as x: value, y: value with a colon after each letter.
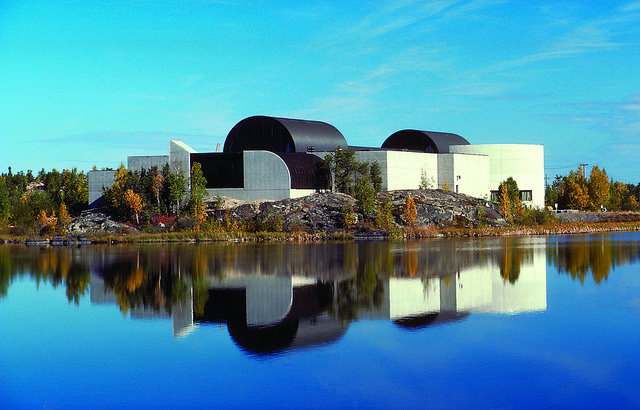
x: 596, y: 217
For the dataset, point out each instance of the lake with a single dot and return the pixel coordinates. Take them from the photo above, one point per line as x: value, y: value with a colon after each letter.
x: 467, y: 323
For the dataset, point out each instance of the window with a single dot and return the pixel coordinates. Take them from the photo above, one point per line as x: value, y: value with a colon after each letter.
x: 495, y: 195
x: 525, y: 195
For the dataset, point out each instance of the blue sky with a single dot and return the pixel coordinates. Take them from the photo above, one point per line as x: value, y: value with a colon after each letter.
x: 86, y: 83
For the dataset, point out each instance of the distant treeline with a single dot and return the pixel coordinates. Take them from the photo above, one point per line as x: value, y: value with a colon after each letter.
x: 576, y: 191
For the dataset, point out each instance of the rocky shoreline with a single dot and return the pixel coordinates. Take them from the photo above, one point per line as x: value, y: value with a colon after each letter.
x: 438, y: 213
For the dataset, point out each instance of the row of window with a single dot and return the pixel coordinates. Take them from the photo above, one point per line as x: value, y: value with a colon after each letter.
x: 525, y: 195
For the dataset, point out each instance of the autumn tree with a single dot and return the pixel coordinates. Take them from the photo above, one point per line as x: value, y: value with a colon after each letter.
x: 509, y: 198
x: 47, y: 224
x: 114, y: 195
x: 576, y: 191
x: 134, y: 203
x: 410, y: 212
x: 504, y: 202
x: 63, y: 218
x: 598, y: 188
x: 156, y: 186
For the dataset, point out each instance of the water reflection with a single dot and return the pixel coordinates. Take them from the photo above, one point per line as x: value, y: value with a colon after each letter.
x: 278, y: 297
x: 579, y: 256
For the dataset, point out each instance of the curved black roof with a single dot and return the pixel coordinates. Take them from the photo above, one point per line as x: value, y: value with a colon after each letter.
x: 305, y: 170
x: 425, y: 141
x: 283, y: 135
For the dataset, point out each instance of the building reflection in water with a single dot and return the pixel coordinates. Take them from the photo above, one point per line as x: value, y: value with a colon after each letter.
x: 415, y: 285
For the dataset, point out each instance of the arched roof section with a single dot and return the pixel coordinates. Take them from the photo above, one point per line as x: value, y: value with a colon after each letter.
x: 305, y: 171
x: 283, y: 135
x: 425, y: 141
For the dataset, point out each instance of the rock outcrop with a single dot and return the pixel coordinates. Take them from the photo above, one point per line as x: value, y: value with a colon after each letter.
x: 324, y: 212
x: 92, y: 222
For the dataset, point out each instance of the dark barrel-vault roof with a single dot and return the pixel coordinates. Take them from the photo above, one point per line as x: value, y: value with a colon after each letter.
x: 425, y: 141
x: 283, y: 135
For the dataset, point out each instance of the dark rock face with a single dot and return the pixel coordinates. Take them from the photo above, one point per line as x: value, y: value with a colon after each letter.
x: 323, y: 212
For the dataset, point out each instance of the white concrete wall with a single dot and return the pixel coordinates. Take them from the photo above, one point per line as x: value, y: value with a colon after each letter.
x: 264, y: 169
x: 401, y: 169
x: 405, y: 169
x: 180, y: 157
x: 523, y: 162
x: 266, y: 176
x: 97, y: 181
x: 465, y: 174
x: 446, y: 172
x: 136, y: 163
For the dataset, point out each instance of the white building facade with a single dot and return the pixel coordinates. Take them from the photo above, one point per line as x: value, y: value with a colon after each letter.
x: 274, y: 158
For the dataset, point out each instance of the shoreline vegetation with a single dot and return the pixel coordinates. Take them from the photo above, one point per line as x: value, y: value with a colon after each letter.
x: 556, y: 228
x: 159, y: 206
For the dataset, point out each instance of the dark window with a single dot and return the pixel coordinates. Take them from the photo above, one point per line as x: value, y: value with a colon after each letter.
x: 526, y: 195
x: 495, y: 195
x: 221, y: 170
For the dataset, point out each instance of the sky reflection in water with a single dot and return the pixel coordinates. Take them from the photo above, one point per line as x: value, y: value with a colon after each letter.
x: 500, y: 322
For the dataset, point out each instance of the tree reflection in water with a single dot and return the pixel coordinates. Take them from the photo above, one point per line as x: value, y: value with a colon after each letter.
x: 330, y: 284
x: 45, y: 265
x: 597, y: 255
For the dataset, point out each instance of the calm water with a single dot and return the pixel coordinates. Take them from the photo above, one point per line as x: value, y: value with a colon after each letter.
x: 516, y: 322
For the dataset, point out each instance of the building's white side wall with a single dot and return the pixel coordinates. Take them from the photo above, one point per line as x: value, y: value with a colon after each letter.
x: 266, y: 176
x: 400, y: 169
x: 446, y: 171
x: 97, y: 181
x: 137, y: 163
x: 381, y: 158
x: 180, y: 157
x: 465, y: 174
x: 523, y: 162
x: 264, y: 169
x: 404, y: 169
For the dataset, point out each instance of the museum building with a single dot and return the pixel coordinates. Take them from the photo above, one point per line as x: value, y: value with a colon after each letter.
x: 276, y: 158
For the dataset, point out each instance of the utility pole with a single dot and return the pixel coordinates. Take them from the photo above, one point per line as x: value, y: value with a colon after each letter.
x: 584, y: 170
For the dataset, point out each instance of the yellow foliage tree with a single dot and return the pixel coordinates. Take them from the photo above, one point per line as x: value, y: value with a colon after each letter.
x: 134, y: 203
x: 505, y: 202
x: 410, y: 212
x: 47, y: 223
x: 63, y: 218
x: 598, y: 188
x: 156, y: 186
x: 117, y: 190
